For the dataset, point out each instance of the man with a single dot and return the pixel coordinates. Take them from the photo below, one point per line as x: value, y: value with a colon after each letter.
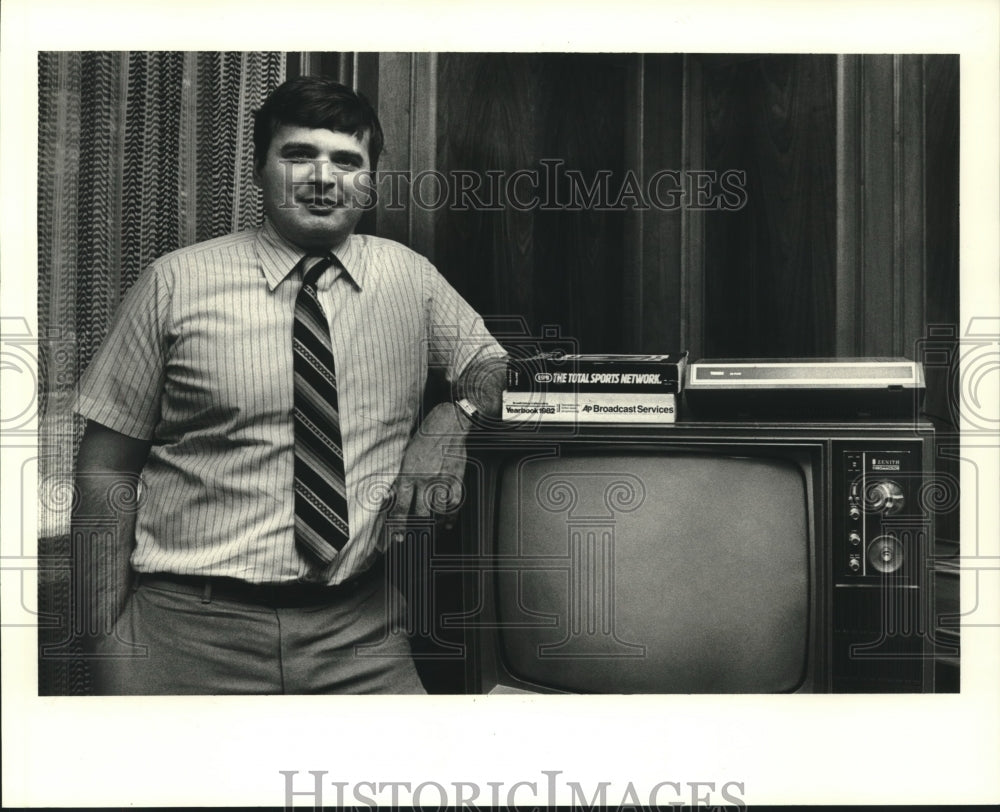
x: 264, y: 388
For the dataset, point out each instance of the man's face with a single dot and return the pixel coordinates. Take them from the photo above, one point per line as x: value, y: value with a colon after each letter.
x: 316, y: 184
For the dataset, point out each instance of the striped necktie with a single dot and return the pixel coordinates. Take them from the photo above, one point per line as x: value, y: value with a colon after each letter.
x: 321, y: 527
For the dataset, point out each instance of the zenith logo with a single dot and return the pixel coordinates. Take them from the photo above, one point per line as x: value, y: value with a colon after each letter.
x: 886, y: 464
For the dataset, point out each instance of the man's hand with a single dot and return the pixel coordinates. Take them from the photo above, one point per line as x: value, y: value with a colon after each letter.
x: 431, y: 479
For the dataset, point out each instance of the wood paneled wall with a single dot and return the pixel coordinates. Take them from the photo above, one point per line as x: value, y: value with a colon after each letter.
x: 552, y: 264
x: 847, y: 243
x: 770, y: 267
x: 881, y: 160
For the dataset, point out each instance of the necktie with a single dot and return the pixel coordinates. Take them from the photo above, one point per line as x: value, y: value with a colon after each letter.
x: 321, y: 528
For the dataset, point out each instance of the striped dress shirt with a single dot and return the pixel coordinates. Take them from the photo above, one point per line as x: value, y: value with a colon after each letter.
x: 199, y: 362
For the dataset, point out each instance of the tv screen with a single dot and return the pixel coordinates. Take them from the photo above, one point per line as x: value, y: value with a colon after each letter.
x: 656, y: 572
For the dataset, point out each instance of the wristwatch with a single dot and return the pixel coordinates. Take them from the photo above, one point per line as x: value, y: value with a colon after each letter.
x: 468, y: 407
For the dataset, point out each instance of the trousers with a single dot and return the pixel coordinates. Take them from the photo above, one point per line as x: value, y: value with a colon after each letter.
x: 173, y: 640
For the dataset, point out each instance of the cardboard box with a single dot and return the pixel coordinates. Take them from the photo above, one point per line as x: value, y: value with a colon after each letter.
x: 552, y: 373
x: 589, y: 407
x: 555, y: 387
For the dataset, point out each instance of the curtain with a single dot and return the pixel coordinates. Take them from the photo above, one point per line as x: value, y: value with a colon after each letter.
x: 138, y: 154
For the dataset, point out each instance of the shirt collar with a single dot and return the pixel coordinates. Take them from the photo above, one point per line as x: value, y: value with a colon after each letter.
x: 278, y: 258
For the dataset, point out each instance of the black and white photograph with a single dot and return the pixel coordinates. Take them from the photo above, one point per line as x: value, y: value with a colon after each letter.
x: 623, y: 412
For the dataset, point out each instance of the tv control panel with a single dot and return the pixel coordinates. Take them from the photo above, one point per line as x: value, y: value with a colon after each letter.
x: 882, y: 523
x: 879, y: 527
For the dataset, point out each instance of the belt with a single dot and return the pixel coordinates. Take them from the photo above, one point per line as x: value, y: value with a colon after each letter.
x: 288, y: 595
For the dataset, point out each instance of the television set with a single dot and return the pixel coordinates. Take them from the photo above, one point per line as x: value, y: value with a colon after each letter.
x: 699, y: 558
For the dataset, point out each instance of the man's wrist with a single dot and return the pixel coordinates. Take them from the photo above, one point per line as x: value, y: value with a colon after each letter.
x: 466, y: 412
x: 467, y: 407
x: 482, y: 383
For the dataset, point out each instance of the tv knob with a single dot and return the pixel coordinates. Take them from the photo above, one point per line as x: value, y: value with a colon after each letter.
x: 885, y: 497
x: 855, y: 539
x: 854, y: 512
x: 886, y: 554
x: 854, y: 565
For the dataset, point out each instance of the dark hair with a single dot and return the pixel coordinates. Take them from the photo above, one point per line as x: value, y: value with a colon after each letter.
x: 317, y: 102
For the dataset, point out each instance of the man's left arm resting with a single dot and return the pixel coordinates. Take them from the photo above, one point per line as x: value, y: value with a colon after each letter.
x: 434, y: 464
